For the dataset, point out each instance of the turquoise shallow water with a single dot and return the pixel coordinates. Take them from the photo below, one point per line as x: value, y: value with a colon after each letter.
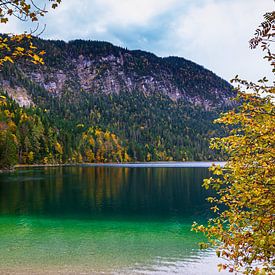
x: 103, y: 220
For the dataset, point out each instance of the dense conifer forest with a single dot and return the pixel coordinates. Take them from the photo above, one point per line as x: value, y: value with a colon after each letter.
x: 107, y: 129
x: 94, y: 102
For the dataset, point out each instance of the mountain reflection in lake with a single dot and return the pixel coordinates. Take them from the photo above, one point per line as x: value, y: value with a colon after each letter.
x: 88, y: 192
x: 103, y: 220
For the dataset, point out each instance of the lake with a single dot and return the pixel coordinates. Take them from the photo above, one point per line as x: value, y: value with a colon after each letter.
x: 104, y: 219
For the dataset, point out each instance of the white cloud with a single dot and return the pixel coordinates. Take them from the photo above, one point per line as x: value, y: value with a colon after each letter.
x: 97, y: 18
x: 213, y: 33
x: 216, y: 35
x: 134, y: 12
x: 98, y: 15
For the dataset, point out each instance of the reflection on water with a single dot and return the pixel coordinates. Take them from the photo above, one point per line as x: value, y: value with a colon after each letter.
x: 100, y: 191
x: 107, y: 220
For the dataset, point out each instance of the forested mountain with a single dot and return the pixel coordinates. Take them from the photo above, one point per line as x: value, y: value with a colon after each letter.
x: 92, y: 101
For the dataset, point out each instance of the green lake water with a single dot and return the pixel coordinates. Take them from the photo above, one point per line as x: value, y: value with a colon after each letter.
x: 103, y: 220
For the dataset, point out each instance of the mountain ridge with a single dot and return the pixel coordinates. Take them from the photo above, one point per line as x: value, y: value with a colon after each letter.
x: 151, y: 108
x: 101, y: 66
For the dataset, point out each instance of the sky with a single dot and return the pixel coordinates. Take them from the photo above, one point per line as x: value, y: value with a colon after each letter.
x: 212, y: 33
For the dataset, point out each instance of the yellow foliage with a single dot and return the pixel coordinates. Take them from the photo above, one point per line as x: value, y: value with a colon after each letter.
x: 245, y: 186
x: 12, y: 126
x: 92, y: 141
x: 98, y: 132
x: 90, y: 155
x: 126, y: 157
x: 58, y: 148
x: 45, y: 160
x: 30, y: 157
x: 24, y: 117
x: 102, y: 146
x: 15, y: 46
x: 79, y: 158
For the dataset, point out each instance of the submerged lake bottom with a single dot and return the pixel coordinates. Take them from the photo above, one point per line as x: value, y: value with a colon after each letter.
x: 104, y: 220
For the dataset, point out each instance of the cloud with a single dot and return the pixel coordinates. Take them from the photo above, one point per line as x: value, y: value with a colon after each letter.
x: 99, y: 19
x: 213, y: 33
x: 216, y: 34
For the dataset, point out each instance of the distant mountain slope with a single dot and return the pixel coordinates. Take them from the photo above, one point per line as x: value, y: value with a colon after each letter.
x: 162, y: 108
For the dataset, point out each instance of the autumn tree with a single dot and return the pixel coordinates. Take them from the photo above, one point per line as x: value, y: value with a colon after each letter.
x: 243, y: 225
x: 8, y: 139
x: 14, y: 46
x: 102, y: 146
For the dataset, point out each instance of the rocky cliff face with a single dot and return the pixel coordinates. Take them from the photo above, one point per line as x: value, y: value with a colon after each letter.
x: 160, y: 108
x: 100, y: 67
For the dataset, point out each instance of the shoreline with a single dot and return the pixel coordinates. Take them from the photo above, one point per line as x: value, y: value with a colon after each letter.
x: 157, y: 164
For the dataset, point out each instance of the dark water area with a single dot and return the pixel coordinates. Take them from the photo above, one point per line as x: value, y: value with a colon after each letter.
x: 97, y: 192
x: 103, y: 219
